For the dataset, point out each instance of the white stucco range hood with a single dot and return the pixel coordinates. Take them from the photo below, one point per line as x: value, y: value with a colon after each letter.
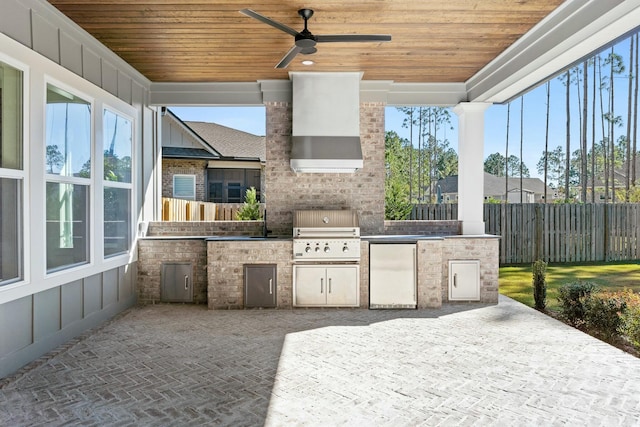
x: 326, y: 123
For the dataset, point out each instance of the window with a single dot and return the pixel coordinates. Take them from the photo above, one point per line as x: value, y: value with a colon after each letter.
x: 117, y: 143
x: 184, y: 187
x: 68, y: 167
x: 12, y: 174
x: 228, y: 185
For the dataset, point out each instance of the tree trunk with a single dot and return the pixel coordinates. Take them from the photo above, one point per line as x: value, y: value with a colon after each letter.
x: 521, y: 141
x: 627, y: 181
x: 612, y: 153
x: 593, y: 137
x: 635, y: 119
x: 583, y: 147
x: 506, y: 156
x: 605, y: 146
x: 546, y: 142
x: 567, y: 163
x: 411, y: 155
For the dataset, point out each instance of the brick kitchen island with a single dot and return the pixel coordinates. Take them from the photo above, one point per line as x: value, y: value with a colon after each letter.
x: 218, y: 265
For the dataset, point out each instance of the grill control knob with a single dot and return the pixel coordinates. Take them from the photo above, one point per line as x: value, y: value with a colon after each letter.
x: 307, y: 249
x: 345, y: 248
x: 327, y: 249
x: 317, y: 248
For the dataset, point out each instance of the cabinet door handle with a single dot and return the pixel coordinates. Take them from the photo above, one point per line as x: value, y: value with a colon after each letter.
x: 415, y: 274
x: 270, y: 286
x: 321, y: 285
x: 455, y: 280
x: 186, y: 282
x: 329, y: 284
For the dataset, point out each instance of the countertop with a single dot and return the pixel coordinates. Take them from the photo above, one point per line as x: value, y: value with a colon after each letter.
x: 372, y: 239
x: 398, y: 238
x: 248, y: 238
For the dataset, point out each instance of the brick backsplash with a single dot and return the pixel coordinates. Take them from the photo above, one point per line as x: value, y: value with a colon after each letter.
x: 423, y: 228
x: 205, y: 228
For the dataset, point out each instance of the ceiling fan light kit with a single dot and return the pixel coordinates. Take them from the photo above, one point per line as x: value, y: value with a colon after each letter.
x: 304, y: 41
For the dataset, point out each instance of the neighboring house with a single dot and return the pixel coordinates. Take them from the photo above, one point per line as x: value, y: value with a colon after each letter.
x: 620, y: 175
x: 209, y: 162
x: 494, y: 188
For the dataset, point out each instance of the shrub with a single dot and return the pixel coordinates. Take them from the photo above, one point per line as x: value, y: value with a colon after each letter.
x: 630, y: 319
x: 540, y: 284
x: 571, y: 297
x: 602, y: 313
x: 251, y: 208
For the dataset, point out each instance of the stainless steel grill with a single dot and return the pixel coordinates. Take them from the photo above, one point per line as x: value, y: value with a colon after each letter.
x: 326, y: 235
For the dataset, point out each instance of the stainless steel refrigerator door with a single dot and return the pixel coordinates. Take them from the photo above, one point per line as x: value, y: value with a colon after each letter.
x: 392, y: 276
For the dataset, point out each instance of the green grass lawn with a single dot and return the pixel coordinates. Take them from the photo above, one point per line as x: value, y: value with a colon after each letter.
x: 515, y: 282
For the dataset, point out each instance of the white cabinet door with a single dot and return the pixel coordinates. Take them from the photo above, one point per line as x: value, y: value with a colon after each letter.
x: 464, y: 280
x: 342, y: 286
x: 310, y: 285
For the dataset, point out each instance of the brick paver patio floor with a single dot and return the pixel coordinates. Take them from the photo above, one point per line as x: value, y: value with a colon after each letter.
x: 182, y: 365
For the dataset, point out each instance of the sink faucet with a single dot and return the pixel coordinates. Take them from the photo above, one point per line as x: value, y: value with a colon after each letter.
x: 265, y: 231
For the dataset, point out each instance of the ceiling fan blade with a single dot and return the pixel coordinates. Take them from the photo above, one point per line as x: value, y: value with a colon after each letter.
x: 330, y: 38
x: 269, y: 21
x: 289, y: 57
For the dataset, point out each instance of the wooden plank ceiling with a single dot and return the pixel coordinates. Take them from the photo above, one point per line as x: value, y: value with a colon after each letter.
x: 210, y: 41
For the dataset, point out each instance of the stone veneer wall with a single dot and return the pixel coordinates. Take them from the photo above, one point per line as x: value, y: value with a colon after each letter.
x: 153, y: 252
x: 205, y: 228
x: 429, y: 273
x: 172, y: 167
x: 364, y: 274
x: 225, y: 261
x: 423, y: 228
x: 286, y: 191
x: 484, y: 249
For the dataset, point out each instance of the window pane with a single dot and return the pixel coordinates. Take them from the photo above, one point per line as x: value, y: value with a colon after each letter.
x: 10, y: 117
x: 67, y: 225
x: 117, y: 147
x: 117, y: 220
x: 10, y: 230
x: 184, y: 187
x: 234, y: 192
x: 68, y: 134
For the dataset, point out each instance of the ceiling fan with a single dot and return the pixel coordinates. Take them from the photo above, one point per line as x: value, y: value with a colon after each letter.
x: 305, y: 41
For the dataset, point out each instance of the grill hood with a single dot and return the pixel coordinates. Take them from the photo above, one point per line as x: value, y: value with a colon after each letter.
x: 326, y: 123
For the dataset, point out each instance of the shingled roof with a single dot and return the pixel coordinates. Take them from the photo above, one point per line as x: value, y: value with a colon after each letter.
x: 494, y: 185
x: 230, y: 143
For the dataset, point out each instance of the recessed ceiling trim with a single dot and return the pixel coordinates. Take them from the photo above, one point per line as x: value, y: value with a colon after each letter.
x: 572, y: 32
x: 192, y: 94
x: 436, y: 94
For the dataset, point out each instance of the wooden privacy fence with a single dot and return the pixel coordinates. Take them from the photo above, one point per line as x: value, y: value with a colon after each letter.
x: 228, y: 211
x: 187, y: 210
x: 555, y: 232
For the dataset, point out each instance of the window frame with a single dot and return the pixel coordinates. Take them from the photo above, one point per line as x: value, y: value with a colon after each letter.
x: 74, y: 180
x: 173, y: 187
x: 118, y: 184
x: 22, y: 177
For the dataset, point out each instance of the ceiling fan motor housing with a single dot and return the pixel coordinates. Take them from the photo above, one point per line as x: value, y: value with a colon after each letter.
x: 306, y: 40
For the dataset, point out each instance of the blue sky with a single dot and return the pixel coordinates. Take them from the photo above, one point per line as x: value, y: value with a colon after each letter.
x: 252, y: 119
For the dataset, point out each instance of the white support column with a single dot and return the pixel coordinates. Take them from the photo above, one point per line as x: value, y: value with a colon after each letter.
x: 471, y: 166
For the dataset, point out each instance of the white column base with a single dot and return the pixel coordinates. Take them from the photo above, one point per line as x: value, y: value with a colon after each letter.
x: 475, y: 228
